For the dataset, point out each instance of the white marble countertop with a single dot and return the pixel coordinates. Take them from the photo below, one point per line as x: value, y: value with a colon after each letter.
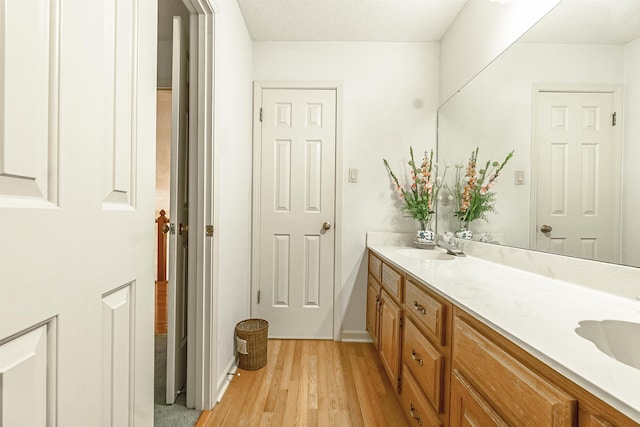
x: 538, y: 313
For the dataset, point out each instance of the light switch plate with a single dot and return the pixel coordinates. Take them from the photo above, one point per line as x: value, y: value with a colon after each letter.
x: 519, y: 177
x: 353, y: 175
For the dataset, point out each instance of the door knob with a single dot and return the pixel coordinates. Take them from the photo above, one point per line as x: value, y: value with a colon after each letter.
x: 546, y: 229
x: 326, y: 225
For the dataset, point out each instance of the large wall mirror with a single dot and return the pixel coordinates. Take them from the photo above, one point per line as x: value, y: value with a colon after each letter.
x: 551, y: 97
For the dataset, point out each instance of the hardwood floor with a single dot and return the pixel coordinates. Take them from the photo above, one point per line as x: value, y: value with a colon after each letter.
x: 311, y: 383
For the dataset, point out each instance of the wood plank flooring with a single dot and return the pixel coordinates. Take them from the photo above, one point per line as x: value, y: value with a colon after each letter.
x: 311, y: 383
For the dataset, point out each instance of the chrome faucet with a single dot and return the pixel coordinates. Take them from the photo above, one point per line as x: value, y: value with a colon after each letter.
x: 449, y: 243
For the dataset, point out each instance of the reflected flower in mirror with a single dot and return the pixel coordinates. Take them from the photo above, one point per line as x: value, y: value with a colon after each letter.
x: 472, y: 190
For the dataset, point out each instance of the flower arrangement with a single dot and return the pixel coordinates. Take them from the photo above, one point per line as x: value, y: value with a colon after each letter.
x: 472, y: 191
x: 421, y: 197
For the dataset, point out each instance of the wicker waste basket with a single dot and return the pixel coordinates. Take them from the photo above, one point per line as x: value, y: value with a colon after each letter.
x: 251, y: 343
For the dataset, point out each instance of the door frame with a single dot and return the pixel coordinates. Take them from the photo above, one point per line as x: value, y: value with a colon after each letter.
x: 202, y: 290
x: 258, y: 86
x: 616, y: 91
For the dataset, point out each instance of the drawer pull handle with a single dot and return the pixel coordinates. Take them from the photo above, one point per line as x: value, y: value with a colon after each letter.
x: 415, y: 357
x: 419, y: 308
x: 418, y: 420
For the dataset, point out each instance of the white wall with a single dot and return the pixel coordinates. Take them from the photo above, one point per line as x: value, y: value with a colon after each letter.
x: 390, y: 101
x: 494, y: 113
x: 631, y: 171
x: 232, y: 168
x: 481, y: 31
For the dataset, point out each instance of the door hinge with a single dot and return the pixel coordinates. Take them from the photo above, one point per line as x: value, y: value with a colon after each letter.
x: 399, y: 388
x: 613, y: 120
x: 172, y: 228
x: 401, y: 322
x: 209, y: 230
x: 260, y: 113
x: 258, y: 297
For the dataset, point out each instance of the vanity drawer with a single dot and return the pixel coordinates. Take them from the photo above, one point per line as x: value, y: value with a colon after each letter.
x: 518, y: 394
x: 375, y: 266
x: 414, y: 405
x: 427, y: 310
x: 425, y: 362
x: 392, y: 280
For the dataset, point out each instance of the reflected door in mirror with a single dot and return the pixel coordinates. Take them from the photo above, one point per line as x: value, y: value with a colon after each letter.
x: 576, y: 197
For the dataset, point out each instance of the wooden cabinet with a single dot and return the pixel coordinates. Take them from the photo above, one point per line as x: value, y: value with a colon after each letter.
x: 426, y: 349
x: 427, y: 310
x: 425, y: 362
x: 375, y: 267
x: 392, y: 281
x: 373, y: 308
x: 457, y: 371
x: 518, y: 394
x: 384, y: 314
x: 468, y: 407
x: 389, y: 344
x: 414, y: 405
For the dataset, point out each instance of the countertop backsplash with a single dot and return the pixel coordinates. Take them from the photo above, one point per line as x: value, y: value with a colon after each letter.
x: 616, y: 279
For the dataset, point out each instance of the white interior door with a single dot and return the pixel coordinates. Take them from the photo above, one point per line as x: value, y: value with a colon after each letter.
x: 179, y: 215
x: 297, y: 209
x: 77, y: 143
x: 576, y: 198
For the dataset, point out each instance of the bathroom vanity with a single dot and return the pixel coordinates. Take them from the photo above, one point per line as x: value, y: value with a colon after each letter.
x: 467, y: 341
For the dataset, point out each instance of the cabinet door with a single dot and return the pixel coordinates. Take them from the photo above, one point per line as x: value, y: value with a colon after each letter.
x: 414, y: 405
x: 468, y: 408
x: 392, y: 281
x: 425, y: 362
x: 373, y: 303
x: 426, y: 309
x: 389, y: 345
x: 375, y: 266
x: 518, y: 393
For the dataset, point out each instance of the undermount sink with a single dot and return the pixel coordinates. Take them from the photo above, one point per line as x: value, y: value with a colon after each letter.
x: 617, y: 339
x: 426, y: 254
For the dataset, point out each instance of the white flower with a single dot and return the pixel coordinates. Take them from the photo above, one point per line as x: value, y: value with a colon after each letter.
x: 447, y: 165
x: 450, y: 197
x: 438, y: 180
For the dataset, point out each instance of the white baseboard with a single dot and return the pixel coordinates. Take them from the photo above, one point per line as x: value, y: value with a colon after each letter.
x: 225, y: 378
x: 355, y: 336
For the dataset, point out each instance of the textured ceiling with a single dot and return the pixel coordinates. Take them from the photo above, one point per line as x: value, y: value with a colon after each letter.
x: 349, y: 20
x: 588, y: 21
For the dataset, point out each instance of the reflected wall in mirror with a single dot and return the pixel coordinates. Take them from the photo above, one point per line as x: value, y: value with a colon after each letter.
x: 587, y: 49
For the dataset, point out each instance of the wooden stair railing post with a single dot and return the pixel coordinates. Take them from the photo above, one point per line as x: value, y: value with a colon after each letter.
x: 161, y: 279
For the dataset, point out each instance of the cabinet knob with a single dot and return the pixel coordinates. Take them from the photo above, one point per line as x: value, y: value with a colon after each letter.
x: 415, y: 357
x: 419, y: 308
x: 414, y: 416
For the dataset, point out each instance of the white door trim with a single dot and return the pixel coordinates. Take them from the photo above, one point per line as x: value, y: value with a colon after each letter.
x: 258, y: 86
x: 616, y: 91
x: 203, y: 296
